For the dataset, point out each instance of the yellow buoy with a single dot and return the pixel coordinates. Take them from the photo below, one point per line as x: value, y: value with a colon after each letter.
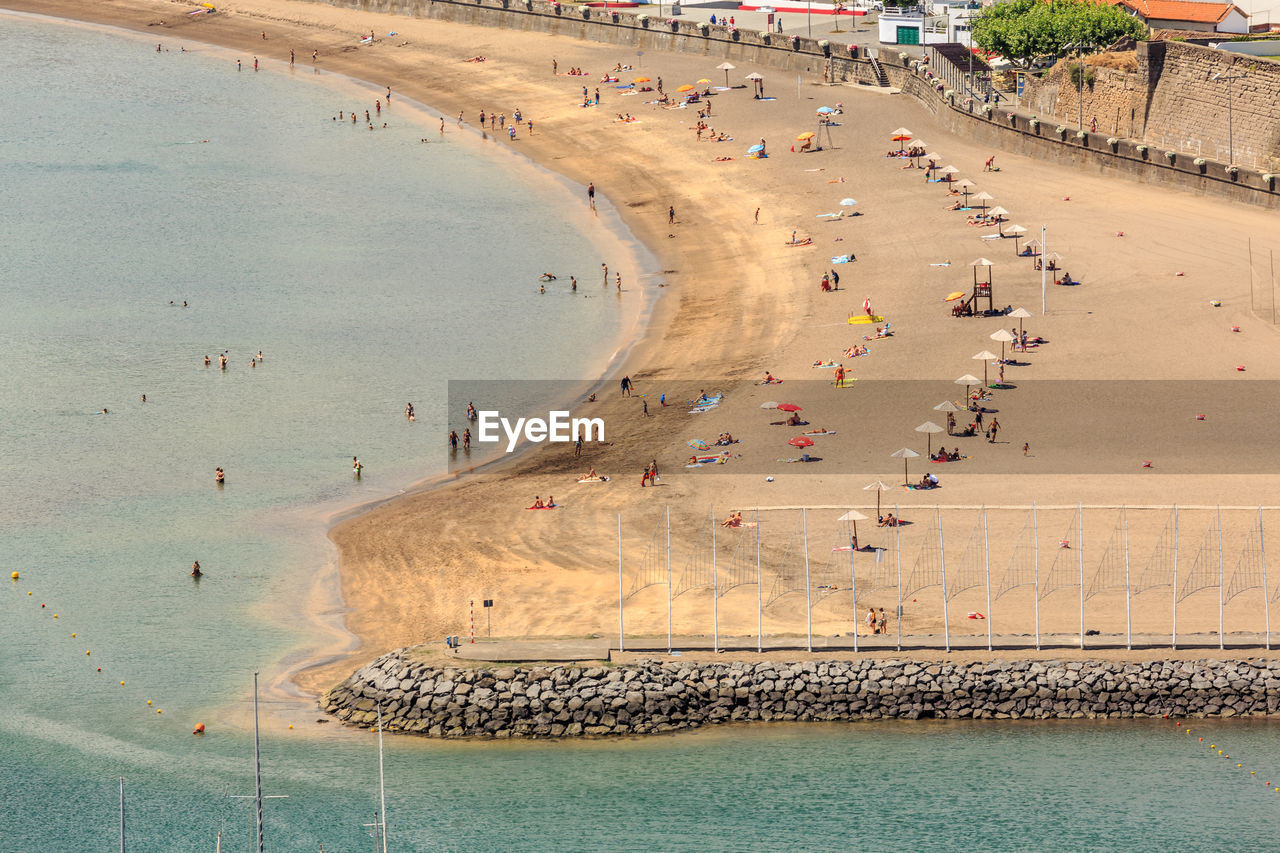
x: 122, y: 684
x: 1239, y: 765
x: 55, y: 616
x: 28, y: 592
x: 87, y: 652
x: 148, y: 701
x: 73, y: 635
x: 159, y: 711
x: 14, y: 575
x: 291, y: 725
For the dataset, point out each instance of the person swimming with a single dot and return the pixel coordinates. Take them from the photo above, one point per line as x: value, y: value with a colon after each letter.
x: 195, y: 570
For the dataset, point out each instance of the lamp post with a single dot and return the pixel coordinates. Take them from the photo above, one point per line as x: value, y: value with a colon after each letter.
x: 1079, y: 47
x: 1231, y: 142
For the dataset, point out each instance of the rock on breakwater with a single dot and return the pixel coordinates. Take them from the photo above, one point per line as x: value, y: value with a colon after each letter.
x: 557, y: 701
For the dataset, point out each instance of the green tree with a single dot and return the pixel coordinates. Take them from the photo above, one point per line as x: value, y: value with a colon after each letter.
x: 1021, y: 30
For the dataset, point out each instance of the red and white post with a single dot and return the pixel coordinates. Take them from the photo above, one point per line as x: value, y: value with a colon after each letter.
x: 473, y: 620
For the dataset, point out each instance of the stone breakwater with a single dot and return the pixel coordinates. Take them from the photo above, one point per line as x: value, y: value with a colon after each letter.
x: 556, y: 701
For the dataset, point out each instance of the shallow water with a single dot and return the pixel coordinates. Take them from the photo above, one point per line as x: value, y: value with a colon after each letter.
x: 369, y: 267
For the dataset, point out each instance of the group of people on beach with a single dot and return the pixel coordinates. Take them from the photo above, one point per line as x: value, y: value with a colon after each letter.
x: 877, y: 623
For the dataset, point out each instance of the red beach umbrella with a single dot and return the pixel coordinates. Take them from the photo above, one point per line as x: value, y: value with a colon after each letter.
x: 801, y: 441
x: 790, y: 407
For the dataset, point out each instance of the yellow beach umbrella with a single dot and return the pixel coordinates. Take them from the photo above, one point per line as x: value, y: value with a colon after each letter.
x: 808, y: 134
x: 952, y: 297
x: 704, y: 80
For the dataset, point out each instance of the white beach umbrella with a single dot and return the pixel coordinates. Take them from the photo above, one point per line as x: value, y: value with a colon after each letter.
x: 854, y: 516
x: 985, y: 357
x: 847, y: 202
x: 772, y: 404
x: 1021, y: 314
x: 754, y: 75
x: 904, y: 454
x: 968, y: 380
x: 984, y: 197
x: 929, y: 428
x: 1014, y: 231
x: 947, y: 406
x: 949, y: 170
x: 902, y: 131
x: 726, y: 67
x: 878, y: 486
x: 1004, y: 336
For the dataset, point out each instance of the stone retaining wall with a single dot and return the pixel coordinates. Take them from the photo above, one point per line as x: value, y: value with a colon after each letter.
x: 556, y: 701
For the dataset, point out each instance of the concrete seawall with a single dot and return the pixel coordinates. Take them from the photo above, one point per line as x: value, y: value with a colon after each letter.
x: 560, y: 701
x: 1022, y: 133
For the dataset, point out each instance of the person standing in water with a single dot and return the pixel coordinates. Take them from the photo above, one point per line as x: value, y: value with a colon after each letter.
x: 195, y: 570
x: 466, y: 439
x: 356, y: 467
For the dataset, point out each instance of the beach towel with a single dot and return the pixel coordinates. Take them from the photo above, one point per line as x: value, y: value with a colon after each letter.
x: 593, y: 479
x: 800, y: 459
x: 819, y: 432
x: 848, y: 383
x: 826, y: 364
x: 554, y: 506
x: 865, y: 319
x: 835, y: 215
x: 941, y: 461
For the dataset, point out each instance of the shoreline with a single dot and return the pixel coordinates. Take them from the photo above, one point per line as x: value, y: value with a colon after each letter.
x: 738, y: 309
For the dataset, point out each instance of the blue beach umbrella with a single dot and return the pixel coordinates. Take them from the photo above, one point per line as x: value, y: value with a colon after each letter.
x: 826, y: 111
x: 755, y: 149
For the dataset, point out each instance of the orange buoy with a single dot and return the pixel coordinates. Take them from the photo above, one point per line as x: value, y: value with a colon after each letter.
x: 199, y: 729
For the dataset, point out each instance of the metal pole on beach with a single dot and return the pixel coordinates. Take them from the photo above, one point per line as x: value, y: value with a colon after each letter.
x: 808, y: 597
x: 853, y: 587
x: 1080, y: 509
x: 942, y: 557
x: 986, y: 551
x: 622, y: 642
x: 668, y: 580
x: 759, y: 588
x: 897, y: 550
x: 1128, y: 597
x: 1220, y: 577
x: 1173, y: 635
x: 1266, y: 592
x: 715, y: 589
x: 1044, y: 252
x: 257, y: 764
x: 1035, y: 549
x: 122, y: 850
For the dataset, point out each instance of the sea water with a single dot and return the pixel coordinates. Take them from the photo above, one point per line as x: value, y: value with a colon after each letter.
x: 369, y: 267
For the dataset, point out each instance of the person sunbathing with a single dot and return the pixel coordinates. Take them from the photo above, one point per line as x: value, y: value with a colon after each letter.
x: 887, y: 520
x: 794, y: 420
x: 769, y: 379
x: 734, y: 520
x: 590, y: 475
x: 941, y: 455
x: 958, y: 204
x: 955, y: 455
x: 538, y: 504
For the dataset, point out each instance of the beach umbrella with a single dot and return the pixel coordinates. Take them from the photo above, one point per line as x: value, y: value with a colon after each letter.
x: 687, y: 87
x: 847, y: 202
x: 902, y: 131
x: 998, y: 211
x: 641, y: 80
x: 949, y: 407
x: 772, y: 404
x: 726, y: 67
x: 904, y: 454
x: 877, y: 487
x: 808, y: 134
x: 947, y: 172
x: 825, y: 111
x: 985, y: 357
x: 1021, y: 314
x: 968, y: 380
x: 933, y: 157
x: 854, y: 516
x: 929, y: 428
x: 755, y: 149
x: 966, y: 186
x: 984, y: 197
x: 801, y: 441
x: 1004, y: 336
x: 703, y: 81
x: 1051, y: 260
x: 788, y: 407
x: 1016, y: 232
x: 697, y: 444
x: 1000, y: 214
x: 953, y: 296
x: 754, y: 75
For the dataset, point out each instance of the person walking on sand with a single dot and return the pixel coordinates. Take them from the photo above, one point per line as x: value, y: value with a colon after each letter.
x: 626, y: 386
x: 617, y: 280
x: 882, y: 623
x: 871, y: 621
x: 671, y: 215
x: 577, y: 447
x: 835, y: 280
x: 591, y: 194
x: 653, y: 473
x: 1026, y: 448
x: 573, y: 284
x: 995, y: 428
x: 990, y: 164
x: 757, y: 216
x: 644, y: 407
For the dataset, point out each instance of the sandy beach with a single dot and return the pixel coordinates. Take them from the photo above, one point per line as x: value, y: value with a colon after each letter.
x: 1109, y: 390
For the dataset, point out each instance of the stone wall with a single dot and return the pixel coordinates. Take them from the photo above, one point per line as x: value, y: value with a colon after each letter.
x: 661, y: 697
x: 1117, y: 99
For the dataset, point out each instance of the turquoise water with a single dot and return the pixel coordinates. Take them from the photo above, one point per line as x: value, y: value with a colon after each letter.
x: 369, y: 267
